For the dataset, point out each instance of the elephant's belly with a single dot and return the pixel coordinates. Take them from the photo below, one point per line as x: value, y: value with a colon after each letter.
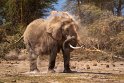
x: 46, y: 48
x: 42, y: 50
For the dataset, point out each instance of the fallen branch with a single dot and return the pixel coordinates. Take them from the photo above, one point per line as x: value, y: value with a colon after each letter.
x: 97, y: 50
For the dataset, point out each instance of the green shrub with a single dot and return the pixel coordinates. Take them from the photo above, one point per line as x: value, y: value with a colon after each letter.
x: 7, y: 42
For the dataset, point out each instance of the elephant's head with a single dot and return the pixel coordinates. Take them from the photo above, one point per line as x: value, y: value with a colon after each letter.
x: 63, y: 28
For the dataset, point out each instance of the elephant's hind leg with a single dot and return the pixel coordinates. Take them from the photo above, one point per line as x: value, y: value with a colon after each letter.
x: 33, y: 63
x: 33, y: 59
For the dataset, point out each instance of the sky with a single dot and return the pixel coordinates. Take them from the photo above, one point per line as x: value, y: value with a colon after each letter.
x: 59, y: 5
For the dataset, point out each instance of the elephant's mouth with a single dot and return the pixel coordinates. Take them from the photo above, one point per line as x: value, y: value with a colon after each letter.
x: 71, y: 42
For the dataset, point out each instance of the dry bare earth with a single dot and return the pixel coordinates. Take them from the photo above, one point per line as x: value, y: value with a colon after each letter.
x: 87, y: 72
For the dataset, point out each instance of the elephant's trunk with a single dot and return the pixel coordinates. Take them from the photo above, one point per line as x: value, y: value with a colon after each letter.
x: 71, y: 46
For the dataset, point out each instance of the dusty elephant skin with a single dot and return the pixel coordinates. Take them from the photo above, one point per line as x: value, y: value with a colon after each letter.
x: 49, y: 36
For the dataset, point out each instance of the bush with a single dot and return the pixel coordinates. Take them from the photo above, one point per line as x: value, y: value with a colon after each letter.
x: 8, y: 39
x: 2, y: 34
x: 89, y: 13
x: 102, y: 30
x: 117, y: 44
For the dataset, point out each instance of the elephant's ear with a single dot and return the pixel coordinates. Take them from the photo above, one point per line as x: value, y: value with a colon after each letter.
x: 55, y: 30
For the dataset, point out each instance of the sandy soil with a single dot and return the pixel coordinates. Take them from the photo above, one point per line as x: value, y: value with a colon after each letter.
x: 87, y: 72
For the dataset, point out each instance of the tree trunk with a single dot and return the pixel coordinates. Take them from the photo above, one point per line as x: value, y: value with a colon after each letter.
x: 119, y: 8
x: 21, y: 12
x: 79, y: 11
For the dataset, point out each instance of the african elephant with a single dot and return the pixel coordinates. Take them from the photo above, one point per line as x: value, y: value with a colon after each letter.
x: 49, y: 36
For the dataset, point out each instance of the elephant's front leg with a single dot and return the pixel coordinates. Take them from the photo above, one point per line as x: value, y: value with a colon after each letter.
x: 66, y: 57
x: 52, y: 59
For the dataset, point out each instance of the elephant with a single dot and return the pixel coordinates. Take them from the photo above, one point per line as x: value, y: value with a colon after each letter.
x: 49, y: 36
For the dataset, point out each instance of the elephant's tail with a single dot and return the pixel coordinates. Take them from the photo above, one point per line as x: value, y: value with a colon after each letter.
x: 19, y: 39
x: 12, y: 44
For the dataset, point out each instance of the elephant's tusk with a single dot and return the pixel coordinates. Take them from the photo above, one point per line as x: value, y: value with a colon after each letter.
x: 75, y: 47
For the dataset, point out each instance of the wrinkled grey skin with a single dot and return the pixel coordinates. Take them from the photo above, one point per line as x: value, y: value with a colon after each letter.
x: 49, y: 36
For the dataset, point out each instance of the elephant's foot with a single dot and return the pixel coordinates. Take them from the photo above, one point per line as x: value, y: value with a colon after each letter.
x: 51, y: 71
x: 67, y: 71
x: 35, y: 71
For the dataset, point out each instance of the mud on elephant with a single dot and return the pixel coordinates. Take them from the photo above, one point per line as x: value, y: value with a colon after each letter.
x: 49, y: 36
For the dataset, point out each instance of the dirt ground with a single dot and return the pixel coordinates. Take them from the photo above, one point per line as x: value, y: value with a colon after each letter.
x: 86, y: 72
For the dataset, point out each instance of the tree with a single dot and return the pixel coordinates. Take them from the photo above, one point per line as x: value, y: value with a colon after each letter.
x: 24, y: 11
x: 73, y: 6
x: 2, y: 9
x: 79, y: 10
x: 115, y: 6
x: 119, y: 5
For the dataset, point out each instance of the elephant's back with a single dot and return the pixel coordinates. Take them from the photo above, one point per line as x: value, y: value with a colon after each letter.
x: 34, y: 30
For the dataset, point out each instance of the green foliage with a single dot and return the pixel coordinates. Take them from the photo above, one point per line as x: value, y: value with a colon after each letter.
x: 24, y: 11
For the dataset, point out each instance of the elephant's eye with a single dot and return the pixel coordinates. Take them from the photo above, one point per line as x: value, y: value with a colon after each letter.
x: 67, y: 30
